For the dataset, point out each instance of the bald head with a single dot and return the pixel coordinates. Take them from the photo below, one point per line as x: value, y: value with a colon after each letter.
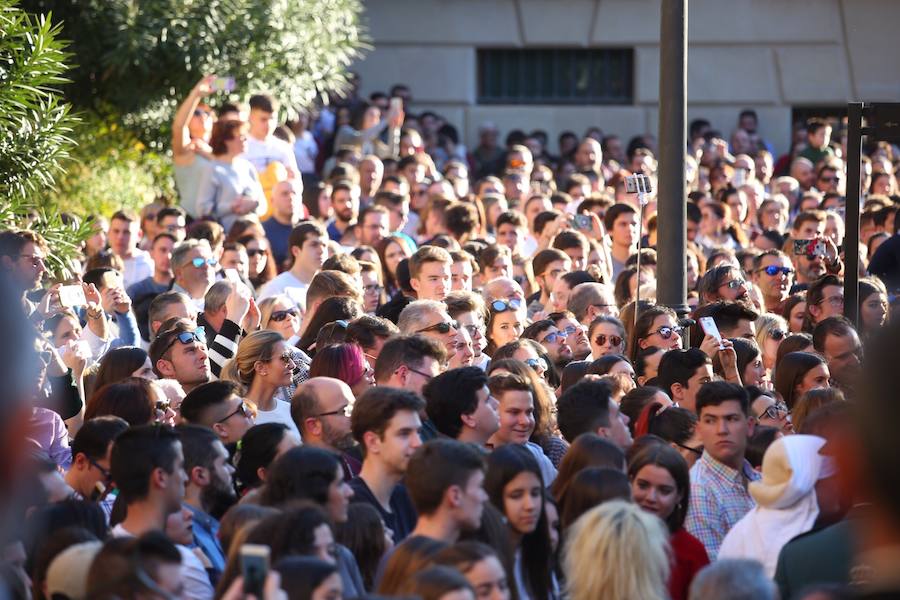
x: 590, y: 300
x: 503, y: 288
x: 320, y: 408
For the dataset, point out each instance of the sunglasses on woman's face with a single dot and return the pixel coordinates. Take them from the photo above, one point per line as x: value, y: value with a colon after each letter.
x: 614, y: 340
x: 777, y: 334
x: 255, y: 252
x: 665, y: 332
x: 280, y: 315
x: 505, y: 305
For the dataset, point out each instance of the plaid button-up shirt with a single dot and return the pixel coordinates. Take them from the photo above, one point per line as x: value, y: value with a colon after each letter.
x: 719, y: 499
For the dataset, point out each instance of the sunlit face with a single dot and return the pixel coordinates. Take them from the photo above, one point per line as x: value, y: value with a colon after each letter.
x: 607, y: 338
x: 393, y: 254
x: 506, y: 327
x: 516, y: 417
x: 523, y: 502
x: 461, y: 276
x: 654, y: 489
x: 284, y: 318
x: 433, y: 281
x: 559, y: 297
x: 819, y: 377
x: 657, y: 335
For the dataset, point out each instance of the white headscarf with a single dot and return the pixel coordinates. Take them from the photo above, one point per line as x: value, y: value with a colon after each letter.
x: 786, y: 501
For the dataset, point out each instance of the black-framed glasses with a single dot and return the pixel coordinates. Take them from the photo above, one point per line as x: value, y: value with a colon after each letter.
x: 187, y: 337
x: 242, y: 410
x: 777, y: 334
x: 556, y: 336
x: 443, y: 327
x: 665, y: 332
x: 837, y: 300
x: 280, y: 315
x: 200, y: 262
x: 345, y: 411
x: 773, y: 270
x: 505, y: 305
x: 427, y: 376
x: 614, y: 340
x: 107, y: 476
x: 698, y: 450
x: 777, y: 411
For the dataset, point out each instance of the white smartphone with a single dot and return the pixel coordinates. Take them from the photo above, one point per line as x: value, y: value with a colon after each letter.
x: 709, y: 328
x: 232, y: 275
x: 71, y: 296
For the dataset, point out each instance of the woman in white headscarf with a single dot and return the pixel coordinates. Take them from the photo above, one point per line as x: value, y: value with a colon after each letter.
x: 785, y: 497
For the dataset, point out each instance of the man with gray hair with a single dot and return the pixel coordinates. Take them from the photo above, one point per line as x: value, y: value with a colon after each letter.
x: 587, y: 301
x: 194, y: 268
x: 430, y: 319
x: 733, y: 579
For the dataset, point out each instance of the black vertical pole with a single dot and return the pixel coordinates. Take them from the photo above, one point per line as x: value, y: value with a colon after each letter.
x: 671, y: 237
x: 851, y: 237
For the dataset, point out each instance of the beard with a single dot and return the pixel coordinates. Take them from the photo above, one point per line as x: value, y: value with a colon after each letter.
x: 218, y: 498
x: 337, y: 440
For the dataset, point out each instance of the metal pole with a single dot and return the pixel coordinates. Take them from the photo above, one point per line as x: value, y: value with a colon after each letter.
x: 851, y: 237
x: 671, y: 236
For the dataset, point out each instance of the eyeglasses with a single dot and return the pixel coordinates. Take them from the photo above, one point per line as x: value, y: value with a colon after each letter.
x: 505, y: 305
x: 373, y: 288
x: 251, y: 252
x: 614, y: 340
x: 830, y: 179
x: 777, y: 334
x: 474, y: 330
x: 105, y: 472
x: 242, y: 410
x: 36, y: 260
x: 698, y: 450
x: 201, y: 262
x: 280, y: 315
x: 572, y: 330
x: 665, y: 332
x: 442, y: 328
x: 734, y: 284
x: 777, y: 411
x: 773, y: 270
x: 345, y: 411
x: 833, y: 300
x: 554, y: 337
x: 427, y: 376
x: 536, y: 364
x: 187, y: 337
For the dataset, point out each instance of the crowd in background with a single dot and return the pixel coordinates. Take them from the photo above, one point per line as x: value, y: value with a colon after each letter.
x: 414, y: 369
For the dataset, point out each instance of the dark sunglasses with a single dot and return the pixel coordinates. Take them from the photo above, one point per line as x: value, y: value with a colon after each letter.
x: 504, y: 305
x: 614, y: 340
x: 442, y: 328
x: 187, y: 337
x: 773, y: 270
x: 255, y: 252
x: 242, y: 410
x: 201, y: 262
x: 665, y: 332
x: 280, y: 315
x: 777, y: 334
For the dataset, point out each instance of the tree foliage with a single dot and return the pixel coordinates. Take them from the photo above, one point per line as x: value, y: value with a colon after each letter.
x: 35, y: 128
x: 136, y: 60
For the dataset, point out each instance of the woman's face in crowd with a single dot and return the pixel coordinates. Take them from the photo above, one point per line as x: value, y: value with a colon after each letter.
x: 279, y: 369
x: 68, y: 330
x: 365, y: 382
x: 393, y: 254
x: 710, y: 223
x: 816, y: 378
x: 339, y: 494
x: 289, y: 325
x: 323, y: 543
x: 796, y: 317
x: 770, y: 346
x: 145, y: 371
x: 755, y: 372
x: 770, y: 413
x: 523, y: 502
x: 488, y: 578
x: 331, y: 588
x: 257, y: 255
x: 654, y: 489
x: 874, y: 311
x: 505, y: 328
x: 655, y: 338
x: 552, y: 524
x: 527, y: 354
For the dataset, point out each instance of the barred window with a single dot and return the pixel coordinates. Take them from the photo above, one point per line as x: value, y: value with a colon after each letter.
x: 556, y: 76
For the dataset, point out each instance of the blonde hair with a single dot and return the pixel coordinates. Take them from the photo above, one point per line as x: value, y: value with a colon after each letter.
x: 266, y: 308
x: 257, y: 346
x: 617, y: 551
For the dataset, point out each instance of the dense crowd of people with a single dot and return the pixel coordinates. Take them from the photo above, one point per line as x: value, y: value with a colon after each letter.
x: 411, y: 369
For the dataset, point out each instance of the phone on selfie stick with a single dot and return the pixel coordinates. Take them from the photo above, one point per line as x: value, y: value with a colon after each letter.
x: 641, y: 185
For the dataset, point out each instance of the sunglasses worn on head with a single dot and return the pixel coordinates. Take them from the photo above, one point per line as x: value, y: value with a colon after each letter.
x: 187, y: 337
x: 773, y: 270
x: 201, y: 262
x: 504, y: 305
x: 442, y: 328
x: 280, y: 315
x: 614, y: 340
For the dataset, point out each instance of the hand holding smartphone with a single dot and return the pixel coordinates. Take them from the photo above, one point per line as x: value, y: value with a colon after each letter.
x: 711, y: 329
x: 254, y: 568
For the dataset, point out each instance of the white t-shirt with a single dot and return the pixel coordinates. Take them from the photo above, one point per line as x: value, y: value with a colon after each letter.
x: 272, y: 149
x: 305, y: 151
x: 196, y: 581
x: 286, y: 283
x: 137, y: 268
x: 281, y: 414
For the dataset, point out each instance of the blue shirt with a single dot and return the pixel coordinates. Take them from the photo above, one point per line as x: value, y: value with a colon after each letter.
x: 278, y: 234
x: 206, y: 537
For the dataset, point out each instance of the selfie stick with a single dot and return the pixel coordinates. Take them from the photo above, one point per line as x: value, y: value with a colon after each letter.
x: 642, y: 187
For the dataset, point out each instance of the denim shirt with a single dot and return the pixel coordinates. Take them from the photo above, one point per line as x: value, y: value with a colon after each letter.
x: 206, y: 532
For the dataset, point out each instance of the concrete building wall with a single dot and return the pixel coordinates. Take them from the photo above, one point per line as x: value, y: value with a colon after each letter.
x: 770, y: 55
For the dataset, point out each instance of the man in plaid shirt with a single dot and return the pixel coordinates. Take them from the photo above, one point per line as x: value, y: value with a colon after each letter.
x: 719, y: 496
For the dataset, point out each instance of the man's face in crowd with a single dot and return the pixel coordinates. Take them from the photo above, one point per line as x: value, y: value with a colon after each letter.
x: 485, y: 419
x: 844, y: 356
x: 399, y: 440
x: 827, y: 181
x: 745, y: 328
x: 625, y: 229
x: 186, y: 363
x: 334, y: 398
x: 777, y: 285
x: 473, y: 323
x: 162, y: 255
x: 197, y: 279
x: 617, y: 432
x: 28, y: 267
x: 432, y: 281
x: 175, y: 482
x: 262, y: 123
x: 551, y: 273
x: 510, y: 236
x: 578, y: 341
x: 232, y: 420
x: 370, y: 174
x: 220, y: 488
x: 123, y: 236
x: 808, y: 230
x: 557, y: 345
x: 534, y: 207
x: 724, y: 430
x: 237, y: 260
x: 461, y: 276
x: 588, y: 154
x: 398, y: 215
x: 175, y: 225
x: 832, y: 303
x: 286, y: 199
x: 578, y: 256
x: 516, y: 417
x: 449, y: 339
x: 733, y: 286
x: 424, y: 372
x: 687, y: 396
x: 375, y: 228
x: 821, y: 138
x: 472, y: 499
x: 312, y: 253
x: 90, y: 473
x: 502, y: 267
x: 345, y: 205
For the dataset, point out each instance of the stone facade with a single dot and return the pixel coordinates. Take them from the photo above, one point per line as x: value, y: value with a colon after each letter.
x: 770, y: 55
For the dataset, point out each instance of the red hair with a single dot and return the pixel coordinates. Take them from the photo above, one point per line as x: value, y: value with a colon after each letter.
x: 340, y: 361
